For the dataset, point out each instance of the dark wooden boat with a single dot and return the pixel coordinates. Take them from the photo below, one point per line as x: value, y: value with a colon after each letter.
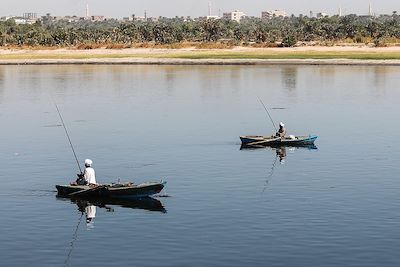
x: 278, y: 141
x: 127, y: 190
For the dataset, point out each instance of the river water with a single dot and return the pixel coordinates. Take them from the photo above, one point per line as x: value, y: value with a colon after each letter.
x: 337, y: 205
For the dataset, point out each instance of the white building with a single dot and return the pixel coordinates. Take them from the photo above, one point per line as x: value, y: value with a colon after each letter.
x: 271, y: 14
x: 234, y: 15
x: 322, y: 15
x: 5, y: 18
x: 212, y: 17
x: 24, y: 21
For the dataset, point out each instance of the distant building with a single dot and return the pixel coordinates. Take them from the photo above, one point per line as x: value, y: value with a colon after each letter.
x: 212, y: 17
x: 322, y: 15
x: 72, y: 18
x: 271, y: 14
x: 30, y: 16
x: 147, y: 19
x: 234, y: 15
x: 97, y: 18
x: 153, y: 19
x: 5, y: 18
x: 141, y: 19
x: 178, y: 18
x: 19, y: 20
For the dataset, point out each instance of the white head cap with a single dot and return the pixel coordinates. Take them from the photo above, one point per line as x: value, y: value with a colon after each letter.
x: 88, y: 162
x: 282, y: 124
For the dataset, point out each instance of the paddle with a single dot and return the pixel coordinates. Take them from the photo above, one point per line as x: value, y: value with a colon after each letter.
x: 85, y: 191
x: 263, y: 141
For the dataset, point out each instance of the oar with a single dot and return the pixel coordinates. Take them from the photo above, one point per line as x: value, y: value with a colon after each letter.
x: 262, y: 142
x: 85, y: 191
x: 256, y: 143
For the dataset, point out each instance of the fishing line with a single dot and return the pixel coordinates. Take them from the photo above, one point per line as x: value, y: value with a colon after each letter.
x: 69, y: 139
x: 269, y: 115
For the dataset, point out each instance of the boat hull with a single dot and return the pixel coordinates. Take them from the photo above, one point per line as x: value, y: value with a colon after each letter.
x: 274, y: 141
x: 112, y: 191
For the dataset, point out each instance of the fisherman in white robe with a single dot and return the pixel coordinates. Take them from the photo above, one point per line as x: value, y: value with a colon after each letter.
x: 89, y: 173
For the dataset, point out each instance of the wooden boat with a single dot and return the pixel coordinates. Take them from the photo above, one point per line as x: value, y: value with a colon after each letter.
x: 127, y: 190
x: 278, y: 141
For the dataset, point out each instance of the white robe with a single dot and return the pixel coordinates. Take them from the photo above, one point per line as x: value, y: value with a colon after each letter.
x: 90, y: 212
x: 90, y: 175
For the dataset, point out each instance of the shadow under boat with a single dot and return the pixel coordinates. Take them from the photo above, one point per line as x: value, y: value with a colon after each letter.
x: 144, y: 203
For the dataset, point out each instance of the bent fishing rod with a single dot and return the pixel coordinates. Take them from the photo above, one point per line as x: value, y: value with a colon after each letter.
x: 69, y: 139
x: 269, y: 115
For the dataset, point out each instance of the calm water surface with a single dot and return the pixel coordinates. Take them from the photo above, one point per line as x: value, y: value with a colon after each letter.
x: 337, y: 205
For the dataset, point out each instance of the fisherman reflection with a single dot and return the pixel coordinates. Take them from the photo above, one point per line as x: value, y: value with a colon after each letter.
x: 281, y: 153
x: 89, y: 210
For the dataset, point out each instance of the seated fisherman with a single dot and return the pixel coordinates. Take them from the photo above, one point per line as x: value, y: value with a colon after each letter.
x: 89, y: 174
x: 282, y: 131
x: 88, y: 177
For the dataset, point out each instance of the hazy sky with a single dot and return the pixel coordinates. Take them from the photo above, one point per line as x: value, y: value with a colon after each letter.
x: 194, y: 8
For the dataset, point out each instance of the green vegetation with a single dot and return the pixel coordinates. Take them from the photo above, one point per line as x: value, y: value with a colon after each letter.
x: 199, y: 54
x: 276, y: 31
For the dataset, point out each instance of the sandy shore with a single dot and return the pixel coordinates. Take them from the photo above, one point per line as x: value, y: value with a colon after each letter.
x: 347, y: 48
x: 152, y: 61
x: 240, y: 56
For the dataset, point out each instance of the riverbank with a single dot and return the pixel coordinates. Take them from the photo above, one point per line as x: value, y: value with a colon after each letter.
x: 337, y: 55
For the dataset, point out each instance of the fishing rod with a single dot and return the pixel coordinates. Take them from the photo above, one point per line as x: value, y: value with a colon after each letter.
x: 269, y: 115
x: 69, y: 139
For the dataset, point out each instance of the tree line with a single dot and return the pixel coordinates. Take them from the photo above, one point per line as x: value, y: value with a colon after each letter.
x: 285, y: 31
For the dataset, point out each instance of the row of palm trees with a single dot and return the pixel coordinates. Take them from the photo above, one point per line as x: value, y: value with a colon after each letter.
x: 285, y: 31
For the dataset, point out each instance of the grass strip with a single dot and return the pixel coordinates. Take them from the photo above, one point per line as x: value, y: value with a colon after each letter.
x: 215, y: 55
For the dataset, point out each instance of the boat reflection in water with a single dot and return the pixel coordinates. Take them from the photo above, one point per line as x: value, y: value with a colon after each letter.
x: 88, y: 205
x: 281, y: 151
x: 277, y: 146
